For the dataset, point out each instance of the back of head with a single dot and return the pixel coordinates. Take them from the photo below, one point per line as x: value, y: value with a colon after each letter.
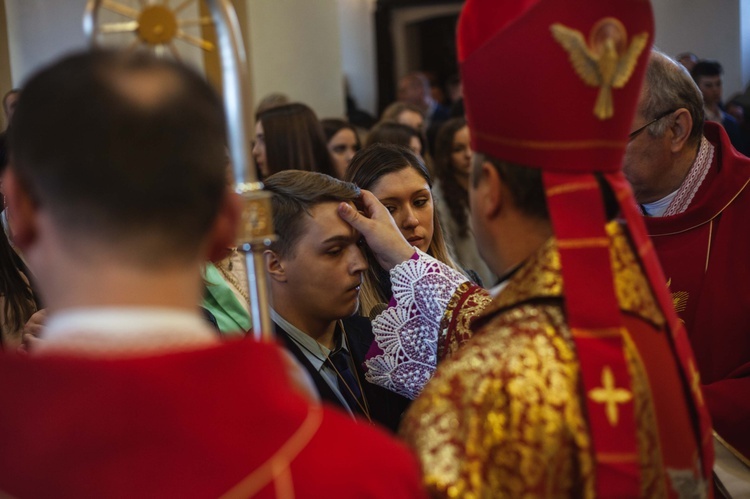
x: 444, y: 147
x: 125, y: 150
x: 332, y: 126
x: 706, y: 68
x: 375, y: 161
x: 295, y: 193
x: 272, y: 100
x: 394, y: 110
x: 669, y: 87
x: 294, y: 139
x: 387, y: 132
x: 414, y: 88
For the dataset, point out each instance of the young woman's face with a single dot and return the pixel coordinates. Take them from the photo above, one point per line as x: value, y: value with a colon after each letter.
x: 461, y: 152
x: 259, y: 150
x: 343, y: 146
x: 407, y: 196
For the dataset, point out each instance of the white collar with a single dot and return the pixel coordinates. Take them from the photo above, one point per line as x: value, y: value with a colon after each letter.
x: 497, y: 289
x: 657, y: 208
x: 124, y: 330
x: 317, y: 353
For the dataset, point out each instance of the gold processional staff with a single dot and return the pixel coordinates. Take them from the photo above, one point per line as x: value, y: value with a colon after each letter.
x: 157, y: 26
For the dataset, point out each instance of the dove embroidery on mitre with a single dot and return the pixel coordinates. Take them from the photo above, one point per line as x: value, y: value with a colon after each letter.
x: 606, y: 61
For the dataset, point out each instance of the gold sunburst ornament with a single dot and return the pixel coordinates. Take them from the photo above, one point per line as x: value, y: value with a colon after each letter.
x: 606, y: 61
x: 155, y: 24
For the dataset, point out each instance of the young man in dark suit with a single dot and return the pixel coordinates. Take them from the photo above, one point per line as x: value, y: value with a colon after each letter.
x: 315, y: 271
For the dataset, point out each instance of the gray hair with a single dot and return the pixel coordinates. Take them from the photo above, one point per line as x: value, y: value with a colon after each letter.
x: 669, y: 87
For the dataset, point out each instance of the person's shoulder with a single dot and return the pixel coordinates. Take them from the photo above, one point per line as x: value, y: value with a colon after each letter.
x: 441, y: 113
x: 363, y: 460
x: 528, y: 331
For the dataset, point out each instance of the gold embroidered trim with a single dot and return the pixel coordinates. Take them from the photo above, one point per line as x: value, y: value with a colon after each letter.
x: 590, y: 242
x: 708, y: 250
x: 553, y: 144
x: 276, y: 467
x: 695, y: 382
x: 451, y: 338
x: 647, y: 428
x: 541, y: 277
x: 731, y: 449
x: 645, y: 248
x: 609, y: 332
x: 610, y: 457
x: 713, y: 217
x: 572, y: 187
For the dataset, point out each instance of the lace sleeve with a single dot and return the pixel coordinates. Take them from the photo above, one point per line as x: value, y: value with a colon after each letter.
x: 408, y: 332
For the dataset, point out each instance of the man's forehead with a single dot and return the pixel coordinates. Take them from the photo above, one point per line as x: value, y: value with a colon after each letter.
x: 324, y: 222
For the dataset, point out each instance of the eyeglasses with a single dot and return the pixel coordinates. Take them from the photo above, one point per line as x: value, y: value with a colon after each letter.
x: 637, y: 132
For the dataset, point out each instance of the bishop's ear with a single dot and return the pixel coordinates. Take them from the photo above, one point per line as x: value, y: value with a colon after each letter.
x: 274, y: 266
x: 486, y: 189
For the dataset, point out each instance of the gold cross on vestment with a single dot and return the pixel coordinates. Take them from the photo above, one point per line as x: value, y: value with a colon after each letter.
x: 610, y: 395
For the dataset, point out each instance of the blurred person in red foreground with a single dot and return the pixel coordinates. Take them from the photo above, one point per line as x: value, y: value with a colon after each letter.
x: 117, y: 202
x: 573, y: 377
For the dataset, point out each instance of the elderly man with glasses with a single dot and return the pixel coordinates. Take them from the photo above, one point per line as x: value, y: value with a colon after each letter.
x: 691, y: 185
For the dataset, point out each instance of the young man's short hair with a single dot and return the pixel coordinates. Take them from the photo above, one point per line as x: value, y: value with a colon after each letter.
x: 125, y: 149
x: 706, y: 68
x: 295, y: 193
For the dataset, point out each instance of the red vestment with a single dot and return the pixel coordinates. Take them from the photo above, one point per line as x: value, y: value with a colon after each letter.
x: 506, y: 414
x: 703, y: 252
x: 209, y: 422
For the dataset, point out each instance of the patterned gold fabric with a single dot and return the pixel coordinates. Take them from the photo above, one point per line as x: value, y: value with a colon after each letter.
x: 503, y: 416
x: 455, y: 328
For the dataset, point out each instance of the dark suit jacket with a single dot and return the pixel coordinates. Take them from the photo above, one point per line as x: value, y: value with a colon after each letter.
x: 386, y: 407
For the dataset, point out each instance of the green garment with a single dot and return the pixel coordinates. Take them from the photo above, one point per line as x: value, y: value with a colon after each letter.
x: 220, y: 300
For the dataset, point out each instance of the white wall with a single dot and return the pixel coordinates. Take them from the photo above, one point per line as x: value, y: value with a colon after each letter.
x: 710, y: 29
x: 39, y: 31
x: 745, y: 41
x: 358, y: 57
x: 304, y: 47
x: 296, y: 49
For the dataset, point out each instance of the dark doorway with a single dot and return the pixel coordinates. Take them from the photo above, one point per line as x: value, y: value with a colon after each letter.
x: 429, y: 45
x: 437, y: 47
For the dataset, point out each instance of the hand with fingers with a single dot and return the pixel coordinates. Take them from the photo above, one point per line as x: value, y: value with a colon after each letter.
x: 379, y: 230
x: 32, y: 330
